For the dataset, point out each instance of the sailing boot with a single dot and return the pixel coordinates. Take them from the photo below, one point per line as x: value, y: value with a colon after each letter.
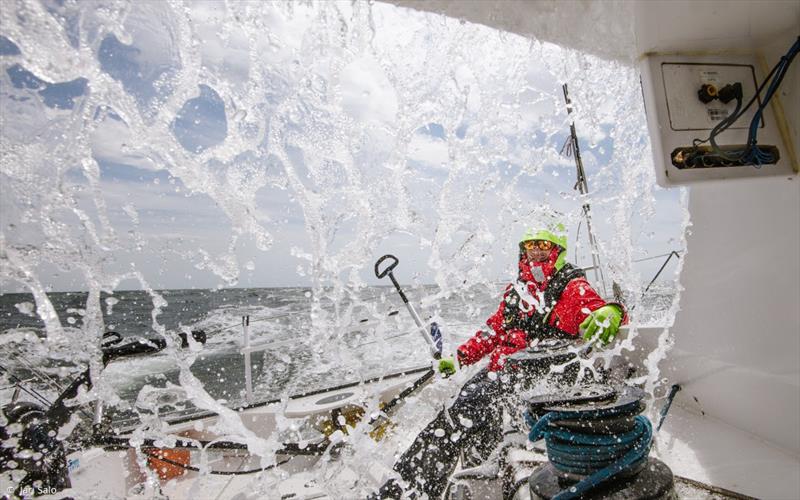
x: 391, y: 490
x: 477, y: 415
x: 432, y: 457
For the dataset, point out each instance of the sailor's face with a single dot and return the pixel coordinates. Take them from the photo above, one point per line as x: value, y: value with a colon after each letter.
x: 537, y: 250
x: 537, y: 255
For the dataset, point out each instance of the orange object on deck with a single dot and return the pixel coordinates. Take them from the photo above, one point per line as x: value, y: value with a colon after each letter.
x: 166, y: 470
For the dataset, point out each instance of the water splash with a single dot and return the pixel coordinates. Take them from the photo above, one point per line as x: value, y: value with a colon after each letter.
x: 165, y: 142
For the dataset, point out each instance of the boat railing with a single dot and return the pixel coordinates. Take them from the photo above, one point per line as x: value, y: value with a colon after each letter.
x: 248, y: 349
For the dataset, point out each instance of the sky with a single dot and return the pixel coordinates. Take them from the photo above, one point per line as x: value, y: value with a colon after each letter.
x: 294, y: 145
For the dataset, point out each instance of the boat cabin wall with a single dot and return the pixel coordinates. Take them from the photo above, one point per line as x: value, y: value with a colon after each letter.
x: 602, y: 27
x: 737, y: 334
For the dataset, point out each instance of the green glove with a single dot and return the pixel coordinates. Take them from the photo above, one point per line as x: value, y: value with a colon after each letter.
x: 447, y: 366
x: 604, y: 322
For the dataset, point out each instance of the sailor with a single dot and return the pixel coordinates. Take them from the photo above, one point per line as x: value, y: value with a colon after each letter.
x: 550, y: 299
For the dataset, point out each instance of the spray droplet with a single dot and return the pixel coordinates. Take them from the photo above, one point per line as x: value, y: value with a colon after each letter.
x: 26, y: 308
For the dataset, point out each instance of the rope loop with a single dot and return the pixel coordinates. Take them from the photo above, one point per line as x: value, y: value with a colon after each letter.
x: 596, y: 455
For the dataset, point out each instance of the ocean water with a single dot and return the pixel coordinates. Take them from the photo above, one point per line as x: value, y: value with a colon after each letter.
x: 365, y: 335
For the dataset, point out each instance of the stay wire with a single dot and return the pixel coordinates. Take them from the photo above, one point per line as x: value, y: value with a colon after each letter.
x: 31, y: 392
x: 20, y: 356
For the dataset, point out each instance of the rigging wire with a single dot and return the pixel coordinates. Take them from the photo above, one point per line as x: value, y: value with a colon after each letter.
x: 676, y: 254
x: 577, y: 239
x: 373, y: 296
x: 572, y: 147
x: 39, y: 373
x: 217, y: 472
x: 31, y: 392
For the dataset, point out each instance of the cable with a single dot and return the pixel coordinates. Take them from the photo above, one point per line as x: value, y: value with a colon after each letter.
x: 724, y: 124
x: 751, y: 154
x: 756, y: 153
x: 733, y: 117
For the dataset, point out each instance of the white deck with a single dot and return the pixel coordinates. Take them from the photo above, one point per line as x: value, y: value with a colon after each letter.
x: 710, y: 451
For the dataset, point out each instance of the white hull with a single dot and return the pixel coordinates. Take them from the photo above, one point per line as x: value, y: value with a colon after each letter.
x: 91, y: 469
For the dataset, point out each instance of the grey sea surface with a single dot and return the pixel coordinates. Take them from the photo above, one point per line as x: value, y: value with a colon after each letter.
x: 312, y: 342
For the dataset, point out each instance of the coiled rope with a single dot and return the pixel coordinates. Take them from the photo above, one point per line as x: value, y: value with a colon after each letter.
x: 598, y: 456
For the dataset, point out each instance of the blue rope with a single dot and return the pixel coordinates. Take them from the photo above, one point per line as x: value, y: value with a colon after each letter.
x: 599, y: 457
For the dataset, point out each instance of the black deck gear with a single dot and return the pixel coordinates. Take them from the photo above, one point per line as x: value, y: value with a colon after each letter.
x: 472, y: 425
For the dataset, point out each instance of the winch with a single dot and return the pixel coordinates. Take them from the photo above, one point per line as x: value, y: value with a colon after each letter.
x: 537, y: 362
x: 597, y: 446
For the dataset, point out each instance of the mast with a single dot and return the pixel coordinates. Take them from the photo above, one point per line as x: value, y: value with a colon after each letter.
x: 583, y: 187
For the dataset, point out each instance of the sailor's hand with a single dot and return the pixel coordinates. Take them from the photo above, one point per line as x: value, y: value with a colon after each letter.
x: 446, y: 366
x: 602, y: 324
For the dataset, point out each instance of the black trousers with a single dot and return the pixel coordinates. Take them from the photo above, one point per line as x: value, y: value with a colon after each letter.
x: 472, y: 425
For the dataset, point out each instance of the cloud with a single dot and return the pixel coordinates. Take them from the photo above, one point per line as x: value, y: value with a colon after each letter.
x: 110, y: 141
x: 366, y: 92
x: 364, y: 102
x: 162, y: 202
x: 429, y: 150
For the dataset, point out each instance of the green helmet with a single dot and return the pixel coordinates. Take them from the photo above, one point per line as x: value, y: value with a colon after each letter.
x: 555, y: 233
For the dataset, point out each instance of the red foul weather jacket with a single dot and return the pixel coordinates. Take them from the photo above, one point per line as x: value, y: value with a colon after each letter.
x: 515, y: 323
